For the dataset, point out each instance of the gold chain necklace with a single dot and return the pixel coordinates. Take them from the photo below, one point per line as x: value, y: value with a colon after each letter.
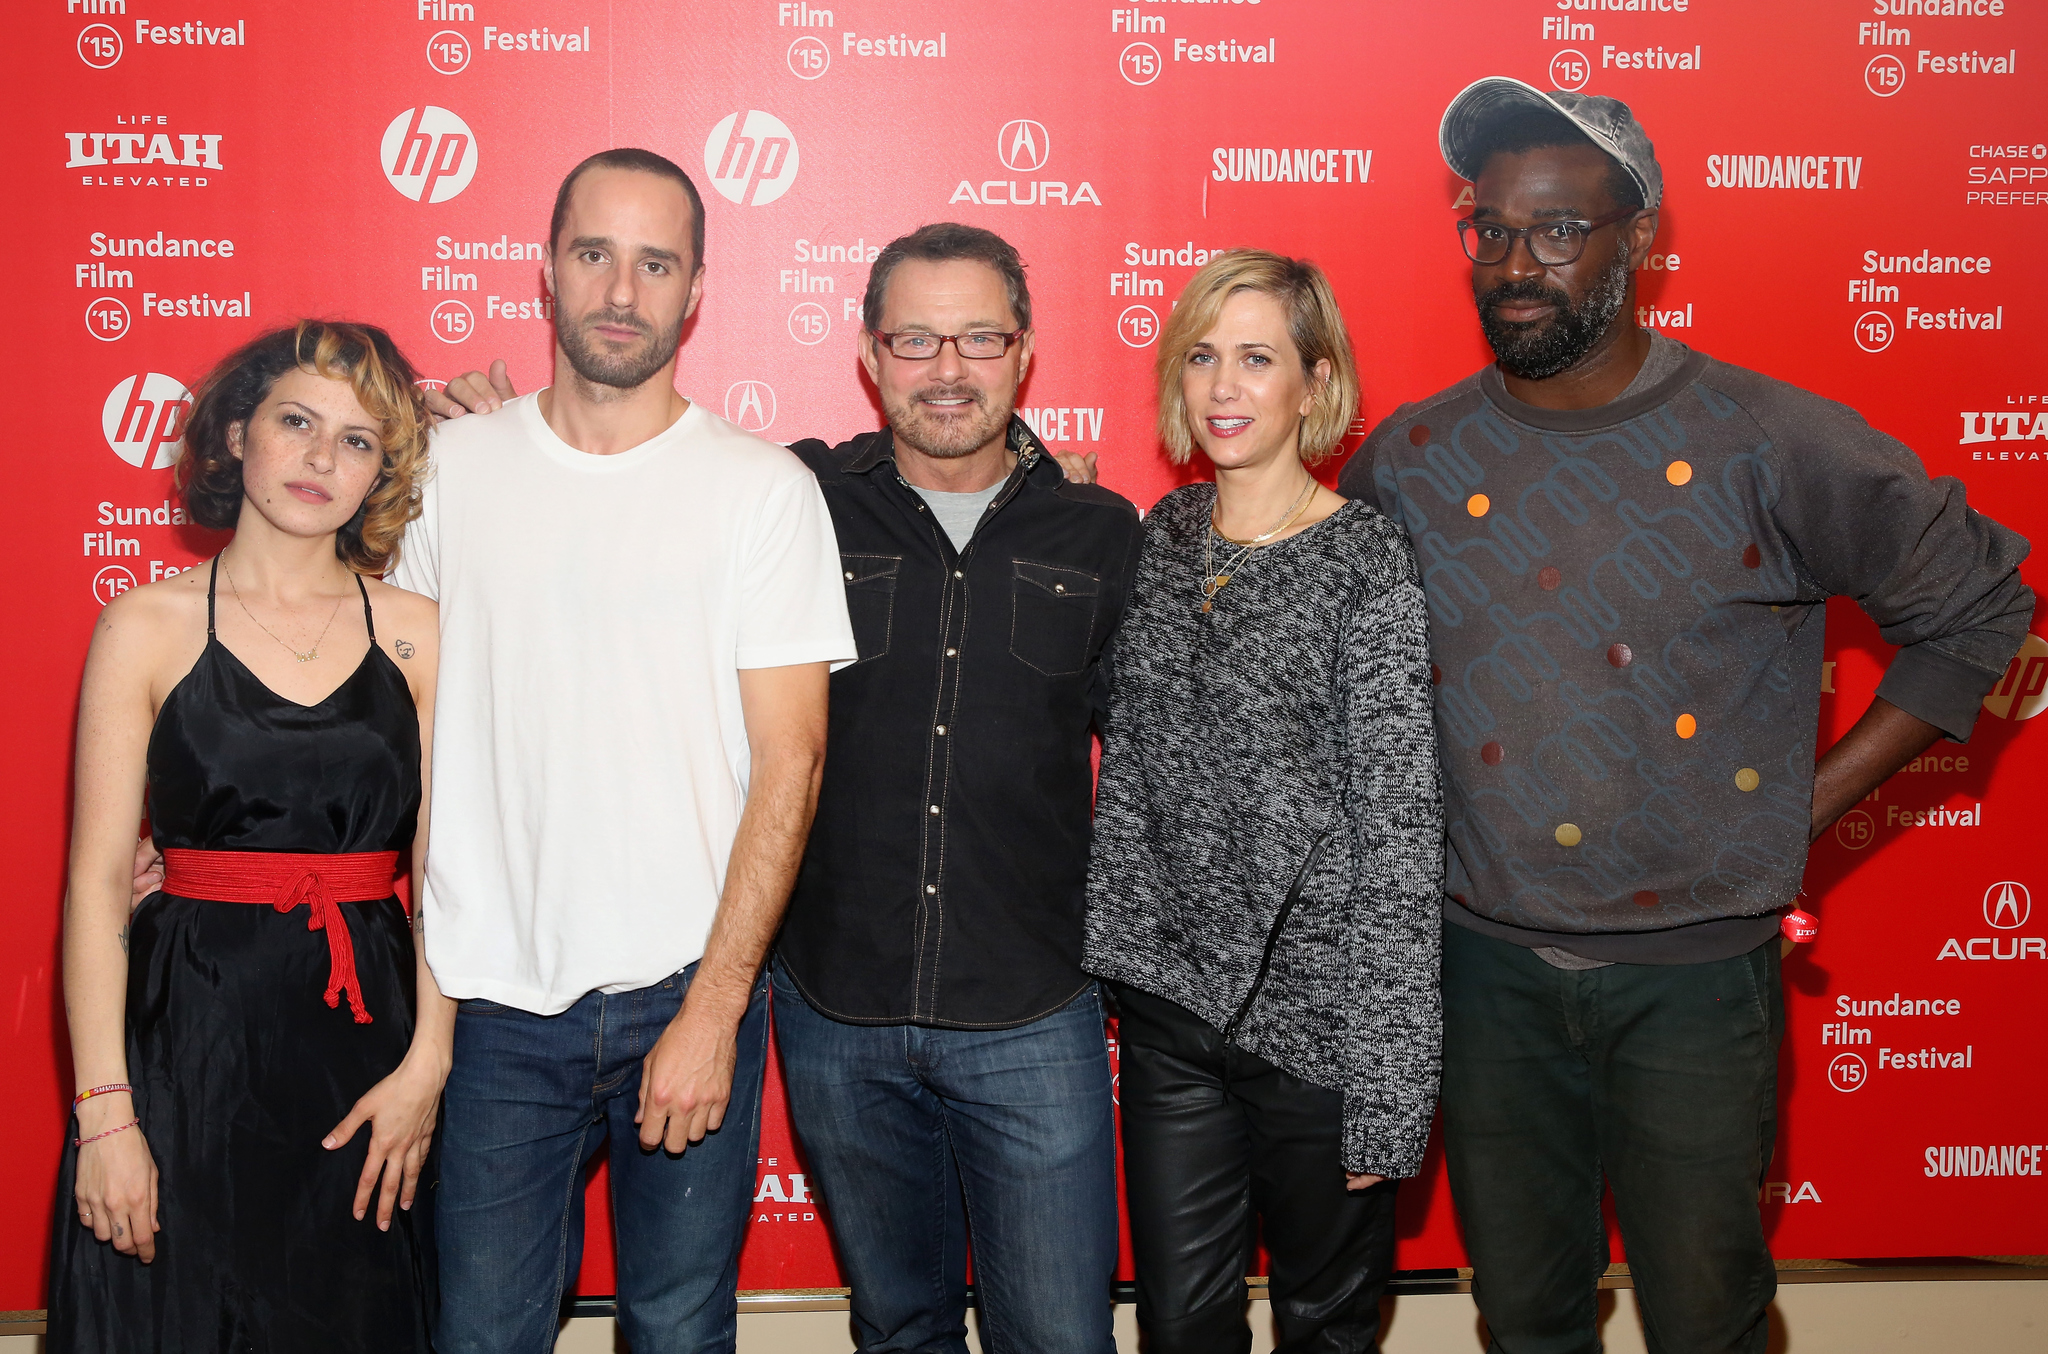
x: 1294, y: 510
x: 1213, y: 579
x: 305, y: 657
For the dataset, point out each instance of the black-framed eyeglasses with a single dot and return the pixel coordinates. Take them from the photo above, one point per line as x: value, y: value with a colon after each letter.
x: 915, y: 345
x: 1551, y: 243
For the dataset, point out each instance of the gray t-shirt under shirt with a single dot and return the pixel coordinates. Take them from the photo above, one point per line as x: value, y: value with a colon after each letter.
x: 959, y: 514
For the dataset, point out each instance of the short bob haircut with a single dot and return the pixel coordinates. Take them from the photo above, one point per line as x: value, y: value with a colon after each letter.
x: 1313, y: 322
x: 210, y: 475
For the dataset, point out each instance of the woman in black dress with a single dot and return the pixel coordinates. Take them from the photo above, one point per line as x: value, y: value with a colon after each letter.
x: 232, y: 1037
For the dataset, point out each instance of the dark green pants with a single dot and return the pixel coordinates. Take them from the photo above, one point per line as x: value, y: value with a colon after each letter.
x: 1658, y: 1079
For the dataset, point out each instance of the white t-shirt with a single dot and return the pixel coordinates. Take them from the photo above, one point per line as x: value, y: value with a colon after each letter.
x: 590, y: 758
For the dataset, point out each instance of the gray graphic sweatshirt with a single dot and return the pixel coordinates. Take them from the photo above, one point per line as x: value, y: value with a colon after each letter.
x: 1626, y: 609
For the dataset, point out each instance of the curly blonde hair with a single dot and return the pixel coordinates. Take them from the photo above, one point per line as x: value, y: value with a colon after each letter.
x: 1313, y: 322
x: 209, y: 474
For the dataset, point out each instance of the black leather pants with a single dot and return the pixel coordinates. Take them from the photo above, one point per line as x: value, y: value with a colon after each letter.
x: 1216, y: 1142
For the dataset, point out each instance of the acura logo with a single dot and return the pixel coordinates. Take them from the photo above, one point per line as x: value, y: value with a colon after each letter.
x: 2006, y: 905
x: 750, y: 405
x: 1023, y: 145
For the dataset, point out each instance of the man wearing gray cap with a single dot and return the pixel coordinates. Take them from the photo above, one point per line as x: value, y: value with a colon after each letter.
x: 1627, y: 548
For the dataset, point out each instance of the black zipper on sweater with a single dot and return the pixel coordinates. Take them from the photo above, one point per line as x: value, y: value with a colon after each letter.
x: 1273, y: 936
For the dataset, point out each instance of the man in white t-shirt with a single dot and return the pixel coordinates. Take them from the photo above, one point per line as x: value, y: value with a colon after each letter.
x: 640, y: 604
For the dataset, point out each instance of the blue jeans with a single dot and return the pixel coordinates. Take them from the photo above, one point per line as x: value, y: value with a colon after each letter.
x: 529, y: 1101
x: 1660, y: 1079
x: 916, y: 1135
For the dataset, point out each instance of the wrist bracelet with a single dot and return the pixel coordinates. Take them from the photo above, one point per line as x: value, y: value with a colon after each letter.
x: 84, y: 1096
x: 1799, y: 927
x: 80, y: 1142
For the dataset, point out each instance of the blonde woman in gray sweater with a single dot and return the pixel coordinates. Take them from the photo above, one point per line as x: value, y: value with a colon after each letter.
x: 1265, y: 885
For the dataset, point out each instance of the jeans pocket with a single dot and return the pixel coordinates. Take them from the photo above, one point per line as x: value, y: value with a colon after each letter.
x: 870, y: 600
x: 1052, y: 617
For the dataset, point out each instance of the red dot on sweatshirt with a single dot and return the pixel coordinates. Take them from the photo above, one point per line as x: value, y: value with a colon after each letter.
x: 1548, y: 578
x: 1751, y: 556
x: 1418, y: 435
x: 1646, y: 898
x: 1620, y: 655
x: 1491, y: 754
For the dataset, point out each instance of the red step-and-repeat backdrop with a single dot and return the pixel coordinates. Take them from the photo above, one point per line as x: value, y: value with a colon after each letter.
x: 1856, y: 193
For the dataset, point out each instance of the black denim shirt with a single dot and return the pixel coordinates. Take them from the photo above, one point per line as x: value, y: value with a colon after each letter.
x: 942, y: 881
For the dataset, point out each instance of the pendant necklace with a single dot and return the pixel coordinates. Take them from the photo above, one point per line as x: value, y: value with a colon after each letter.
x: 1213, y: 578
x: 305, y: 657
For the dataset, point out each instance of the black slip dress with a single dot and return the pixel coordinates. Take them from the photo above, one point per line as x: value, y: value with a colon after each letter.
x: 240, y: 1067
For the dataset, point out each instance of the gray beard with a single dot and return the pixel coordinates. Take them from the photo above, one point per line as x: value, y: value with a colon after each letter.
x: 944, y: 444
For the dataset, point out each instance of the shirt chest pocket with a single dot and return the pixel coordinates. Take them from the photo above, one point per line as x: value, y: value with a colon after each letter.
x: 870, y: 600
x: 1052, y: 616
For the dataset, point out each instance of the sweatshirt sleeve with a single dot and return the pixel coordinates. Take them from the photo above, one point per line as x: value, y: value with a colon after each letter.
x: 1940, y: 579
x: 1394, y: 801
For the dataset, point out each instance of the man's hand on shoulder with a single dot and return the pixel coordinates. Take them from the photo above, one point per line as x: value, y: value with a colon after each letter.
x: 149, y: 876
x: 1079, y: 468
x: 473, y: 393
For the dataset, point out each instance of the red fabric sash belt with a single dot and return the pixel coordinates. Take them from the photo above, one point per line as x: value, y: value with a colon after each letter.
x: 284, y: 880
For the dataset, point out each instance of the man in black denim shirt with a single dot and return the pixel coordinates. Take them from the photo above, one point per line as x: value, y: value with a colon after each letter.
x: 943, y: 1050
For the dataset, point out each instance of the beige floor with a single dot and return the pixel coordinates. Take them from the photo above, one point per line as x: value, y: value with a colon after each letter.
x: 1990, y: 1317
x: 1993, y: 1317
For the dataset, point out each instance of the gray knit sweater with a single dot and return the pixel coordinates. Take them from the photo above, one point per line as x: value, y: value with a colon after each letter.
x: 1294, y: 718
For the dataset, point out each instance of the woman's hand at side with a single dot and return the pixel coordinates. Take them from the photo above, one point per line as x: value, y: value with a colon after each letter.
x: 401, y: 1111
x: 116, y: 1184
x: 144, y: 641
x: 1354, y: 1182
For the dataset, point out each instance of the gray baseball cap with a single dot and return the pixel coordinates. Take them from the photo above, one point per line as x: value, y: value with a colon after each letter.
x: 1607, y: 121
